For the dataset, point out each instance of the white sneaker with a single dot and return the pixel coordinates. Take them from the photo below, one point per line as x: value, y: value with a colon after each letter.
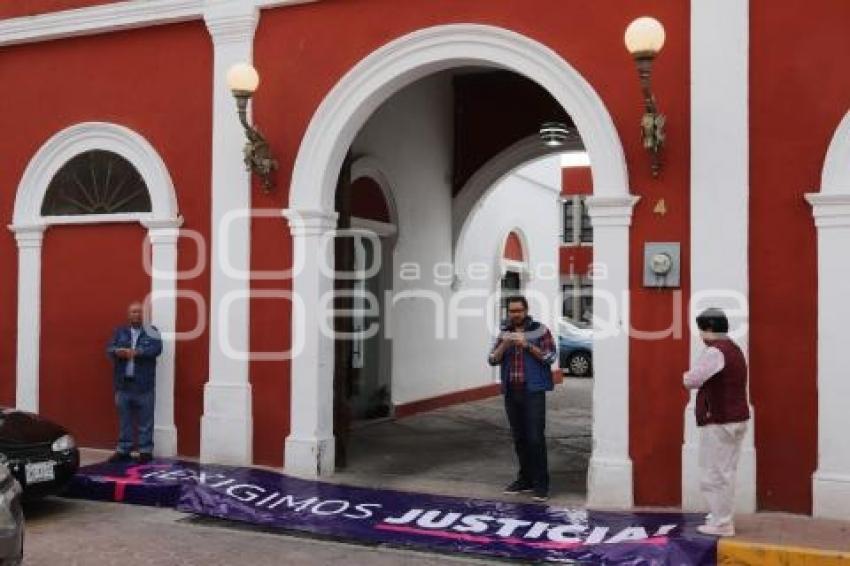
x: 727, y: 530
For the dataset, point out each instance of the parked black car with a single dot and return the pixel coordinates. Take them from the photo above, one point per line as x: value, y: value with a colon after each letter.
x: 41, y: 455
x: 11, y: 519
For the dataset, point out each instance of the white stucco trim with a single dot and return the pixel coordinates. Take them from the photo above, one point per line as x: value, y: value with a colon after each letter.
x: 502, y: 164
x: 329, y: 135
x: 835, y: 178
x: 831, y: 210
x: 719, y: 189
x: 382, y: 229
x: 28, y: 226
x: 427, y: 51
x: 227, y: 420
x: 115, y: 16
x: 370, y: 166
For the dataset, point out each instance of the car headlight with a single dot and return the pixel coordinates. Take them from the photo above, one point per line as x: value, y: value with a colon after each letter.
x: 63, y: 443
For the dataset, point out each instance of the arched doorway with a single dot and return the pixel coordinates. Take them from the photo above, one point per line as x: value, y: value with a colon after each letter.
x: 41, y: 204
x: 309, y: 448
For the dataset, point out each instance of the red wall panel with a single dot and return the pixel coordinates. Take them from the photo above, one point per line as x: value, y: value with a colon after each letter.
x: 795, y: 108
x: 577, y: 181
x: 513, y: 248
x: 300, y: 61
x: 138, y: 79
x: 91, y: 274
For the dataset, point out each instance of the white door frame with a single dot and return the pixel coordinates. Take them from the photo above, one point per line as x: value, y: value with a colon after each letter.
x: 310, y: 445
x: 163, y: 223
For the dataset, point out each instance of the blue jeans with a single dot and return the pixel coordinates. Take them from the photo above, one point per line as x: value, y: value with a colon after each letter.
x: 133, y: 406
x: 527, y: 416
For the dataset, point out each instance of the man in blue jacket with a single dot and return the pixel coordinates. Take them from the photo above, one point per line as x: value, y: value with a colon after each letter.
x: 525, y: 351
x: 133, y: 350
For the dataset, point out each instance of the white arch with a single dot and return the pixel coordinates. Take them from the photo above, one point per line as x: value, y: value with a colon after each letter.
x: 479, y: 186
x: 831, y: 210
x: 369, y: 166
x: 87, y: 136
x: 424, y: 52
x: 310, y: 446
x: 835, y: 177
x: 498, y: 167
x: 163, y: 223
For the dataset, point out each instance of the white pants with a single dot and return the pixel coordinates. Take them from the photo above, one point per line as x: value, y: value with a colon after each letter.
x: 719, y: 448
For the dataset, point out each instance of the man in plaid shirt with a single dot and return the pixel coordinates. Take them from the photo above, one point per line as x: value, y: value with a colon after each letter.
x: 525, y: 351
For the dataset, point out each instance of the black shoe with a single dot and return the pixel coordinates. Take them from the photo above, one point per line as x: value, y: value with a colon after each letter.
x: 540, y: 496
x: 119, y: 458
x: 145, y: 457
x: 517, y: 486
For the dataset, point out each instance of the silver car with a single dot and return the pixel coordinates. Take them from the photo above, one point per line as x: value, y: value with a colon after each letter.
x: 11, y: 518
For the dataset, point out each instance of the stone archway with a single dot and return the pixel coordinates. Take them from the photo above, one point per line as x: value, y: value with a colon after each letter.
x: 309, y: 447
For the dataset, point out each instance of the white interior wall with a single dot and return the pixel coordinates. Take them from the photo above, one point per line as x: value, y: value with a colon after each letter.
x: 525, y: 201
x: 411, y: 137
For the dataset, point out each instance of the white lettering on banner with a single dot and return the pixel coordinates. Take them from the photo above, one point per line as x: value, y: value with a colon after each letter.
x: 267, y: 499
x: 318, y: 509
x: 597, y: 535
x: 293, y: 504
x: 509, y: 526
x: 565, y: 533
x: 473, y: 524
x: 406, y: 518
x: 537, y: 530
x: 575, y: 530
x: 664, y: 530
x: 363, y: 508
x: 480, y: 524
x: 247, y: 492
x: 631, y: 533
x: 429, y: 520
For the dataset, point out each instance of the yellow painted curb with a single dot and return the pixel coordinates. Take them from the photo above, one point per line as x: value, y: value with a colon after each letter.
x: 741, y: 553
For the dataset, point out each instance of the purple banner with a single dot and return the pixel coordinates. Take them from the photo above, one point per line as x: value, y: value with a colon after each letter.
x: 429, y: 522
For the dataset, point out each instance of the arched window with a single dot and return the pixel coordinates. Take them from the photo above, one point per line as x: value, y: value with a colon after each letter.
x: 96, y: 182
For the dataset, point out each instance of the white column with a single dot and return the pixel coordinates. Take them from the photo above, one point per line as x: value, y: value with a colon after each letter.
x: 29, y: 239
x: 163, y: 236
x: 226, y: 425
x: 831, y: 480
x: 719, y: 190
x: 610, y: 480
x: 310, y: 444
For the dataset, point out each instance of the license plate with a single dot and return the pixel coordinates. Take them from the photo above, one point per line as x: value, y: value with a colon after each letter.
x: 40, y: 472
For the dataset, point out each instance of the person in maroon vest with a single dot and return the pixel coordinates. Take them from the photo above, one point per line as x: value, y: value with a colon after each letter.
x: 719, y: 375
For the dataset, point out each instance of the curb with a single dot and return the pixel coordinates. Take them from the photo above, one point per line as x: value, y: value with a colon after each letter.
x: 742, y: 553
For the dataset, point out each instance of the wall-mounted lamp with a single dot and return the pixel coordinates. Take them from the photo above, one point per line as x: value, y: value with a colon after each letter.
x: 243, y: 80
x: 554, y: 134
x: 644, y: 39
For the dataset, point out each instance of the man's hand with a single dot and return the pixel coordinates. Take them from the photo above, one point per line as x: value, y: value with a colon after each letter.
x: 519, y: 340
x: 125, y: 353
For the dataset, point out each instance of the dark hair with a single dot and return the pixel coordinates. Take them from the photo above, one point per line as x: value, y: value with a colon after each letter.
x: 517, y: 299
x: 713, y: 320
